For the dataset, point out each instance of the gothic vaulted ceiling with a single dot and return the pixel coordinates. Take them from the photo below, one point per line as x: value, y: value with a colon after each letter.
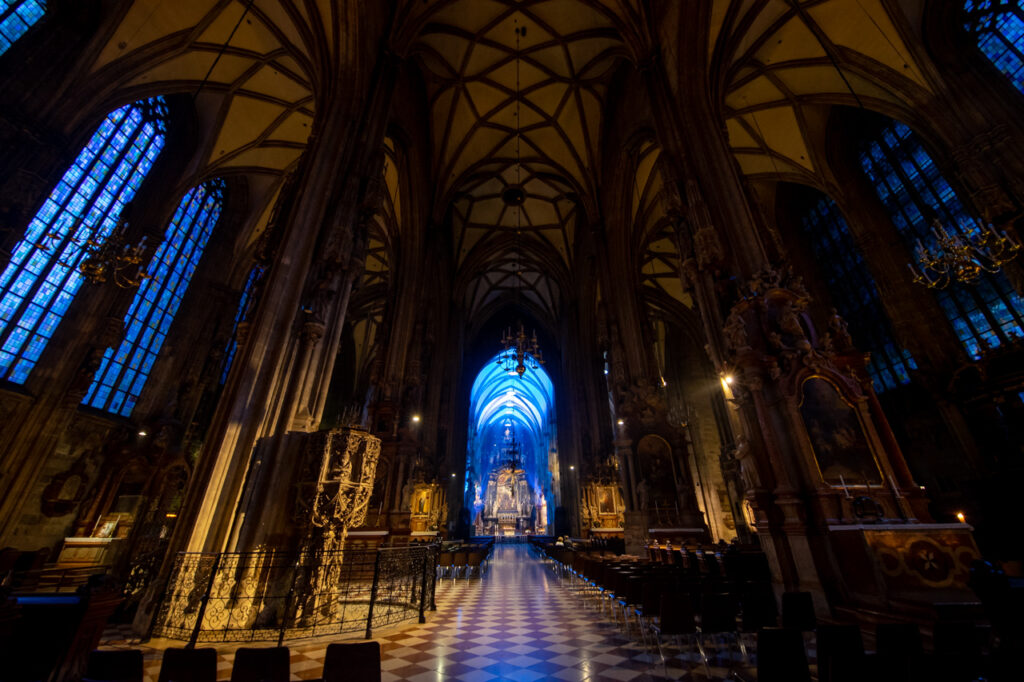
x: 516, y: 95
x: 771, y: 58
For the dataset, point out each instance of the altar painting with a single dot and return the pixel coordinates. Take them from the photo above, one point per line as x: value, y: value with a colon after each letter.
x: 837, y: 437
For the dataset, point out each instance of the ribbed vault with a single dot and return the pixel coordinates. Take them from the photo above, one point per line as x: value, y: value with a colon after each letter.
x: 769, y: 60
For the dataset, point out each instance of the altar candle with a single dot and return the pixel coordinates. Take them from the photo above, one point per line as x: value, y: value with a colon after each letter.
x: 895, y: 489
x: 845, y: 489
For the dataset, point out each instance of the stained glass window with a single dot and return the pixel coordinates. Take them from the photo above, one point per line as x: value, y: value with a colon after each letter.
x: 998, y: 28
x: 123, y: 372
x: 854, y: 293
x: 42, y: 276
x: 984, y: 315
x: 16, y: 18
x: 242, y: 315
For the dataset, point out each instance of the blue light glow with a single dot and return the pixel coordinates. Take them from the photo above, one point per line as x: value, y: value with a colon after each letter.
x: 854, y: 293
x: 123, y: 372
x: 984, y: 315
x: 998, y: 28
x: 16, y: 18
x: 502, y: 402
x: 42, y: 277
x: 240, y: 316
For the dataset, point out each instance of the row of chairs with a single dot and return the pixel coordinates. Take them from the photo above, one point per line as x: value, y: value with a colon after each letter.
x: 726, y: 600
x: 345, y: 662
x: 463, y: 561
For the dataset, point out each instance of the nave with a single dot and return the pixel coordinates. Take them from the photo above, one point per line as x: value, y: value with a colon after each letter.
x: 518, y: 621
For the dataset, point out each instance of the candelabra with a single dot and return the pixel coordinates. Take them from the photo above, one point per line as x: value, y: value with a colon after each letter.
x: 962, y: 258
x: 114, y: 259
x: 520, y: 351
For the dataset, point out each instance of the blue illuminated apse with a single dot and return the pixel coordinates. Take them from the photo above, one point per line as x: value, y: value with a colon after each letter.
x: 501, y: 401
x: 16, y: 18
x: 853, y: 291
x: 984, y: 315
x: 42, y: 276
x: 255, y: 275
x: 123, y: 372
x: 998, y: 28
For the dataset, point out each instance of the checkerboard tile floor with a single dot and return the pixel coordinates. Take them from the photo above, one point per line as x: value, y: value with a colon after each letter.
x: 517, y: 622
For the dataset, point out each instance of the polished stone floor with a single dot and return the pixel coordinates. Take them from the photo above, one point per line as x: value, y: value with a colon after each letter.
x: 517, y: 622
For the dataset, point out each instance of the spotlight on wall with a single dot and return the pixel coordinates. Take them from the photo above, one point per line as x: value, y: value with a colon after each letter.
x: 960, y: 517
x: 415, y: 419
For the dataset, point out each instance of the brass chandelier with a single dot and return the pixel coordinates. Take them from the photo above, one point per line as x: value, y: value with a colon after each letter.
x: 962, y: 258
x: 114, y: 259
x: 521, y: 352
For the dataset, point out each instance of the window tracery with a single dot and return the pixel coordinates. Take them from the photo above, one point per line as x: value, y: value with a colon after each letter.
x: 123, y: 372
x: 42, y: 276
x: 998, y: 29
x: 16, y: 18
x: 854, y: 293
x: 912, y: 188
x: 240, y: 316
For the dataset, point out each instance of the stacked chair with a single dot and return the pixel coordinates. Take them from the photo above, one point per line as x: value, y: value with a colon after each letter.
x: 344, y: 662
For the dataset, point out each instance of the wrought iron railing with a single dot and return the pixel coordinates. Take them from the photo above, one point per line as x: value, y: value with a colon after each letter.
x: 267, y: 595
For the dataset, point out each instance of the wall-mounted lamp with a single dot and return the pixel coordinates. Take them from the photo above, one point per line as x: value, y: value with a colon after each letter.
x: 960, y: 517
x: 415, y: 419
x: 143, y: 434
x: 571, y: 467
x: 621, y: 422
x: 453, y: 474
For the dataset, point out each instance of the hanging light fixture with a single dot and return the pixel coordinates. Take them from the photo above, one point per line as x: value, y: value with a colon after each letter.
x: 519, y: 351
x: 962, y: 257
x: 114, y: 259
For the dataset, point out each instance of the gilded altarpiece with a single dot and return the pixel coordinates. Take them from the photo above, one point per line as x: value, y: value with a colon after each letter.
x: 872, y: 535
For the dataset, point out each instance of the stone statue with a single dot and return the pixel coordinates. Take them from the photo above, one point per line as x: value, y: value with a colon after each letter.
x: 407, y: 491
x: 838, y: 328
x: 735, y: 331
x: 643, y: 494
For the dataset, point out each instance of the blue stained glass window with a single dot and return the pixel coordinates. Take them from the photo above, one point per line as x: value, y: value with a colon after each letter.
x: 242, y: 315
x: 854, y: 294
x: 118, y: 382
x: 998, y: 28
x: 984, y: 315
x: 16, y: 18
x: 42, y: 276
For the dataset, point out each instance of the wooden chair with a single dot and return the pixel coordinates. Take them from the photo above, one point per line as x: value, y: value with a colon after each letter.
x: 188, y: 665
x: 271, y: 664
x: 355, y: 662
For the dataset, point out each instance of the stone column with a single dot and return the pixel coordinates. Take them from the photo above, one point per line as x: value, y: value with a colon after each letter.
x: 342, y: 149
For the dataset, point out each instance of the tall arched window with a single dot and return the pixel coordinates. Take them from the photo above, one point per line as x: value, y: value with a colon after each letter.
x: 123, y: 372
x: 854, y: 294
x: 16, y: 18
x: 984, y: 315
x: 240, y: 316
x: 42, y: 277
x: 998, y: 28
